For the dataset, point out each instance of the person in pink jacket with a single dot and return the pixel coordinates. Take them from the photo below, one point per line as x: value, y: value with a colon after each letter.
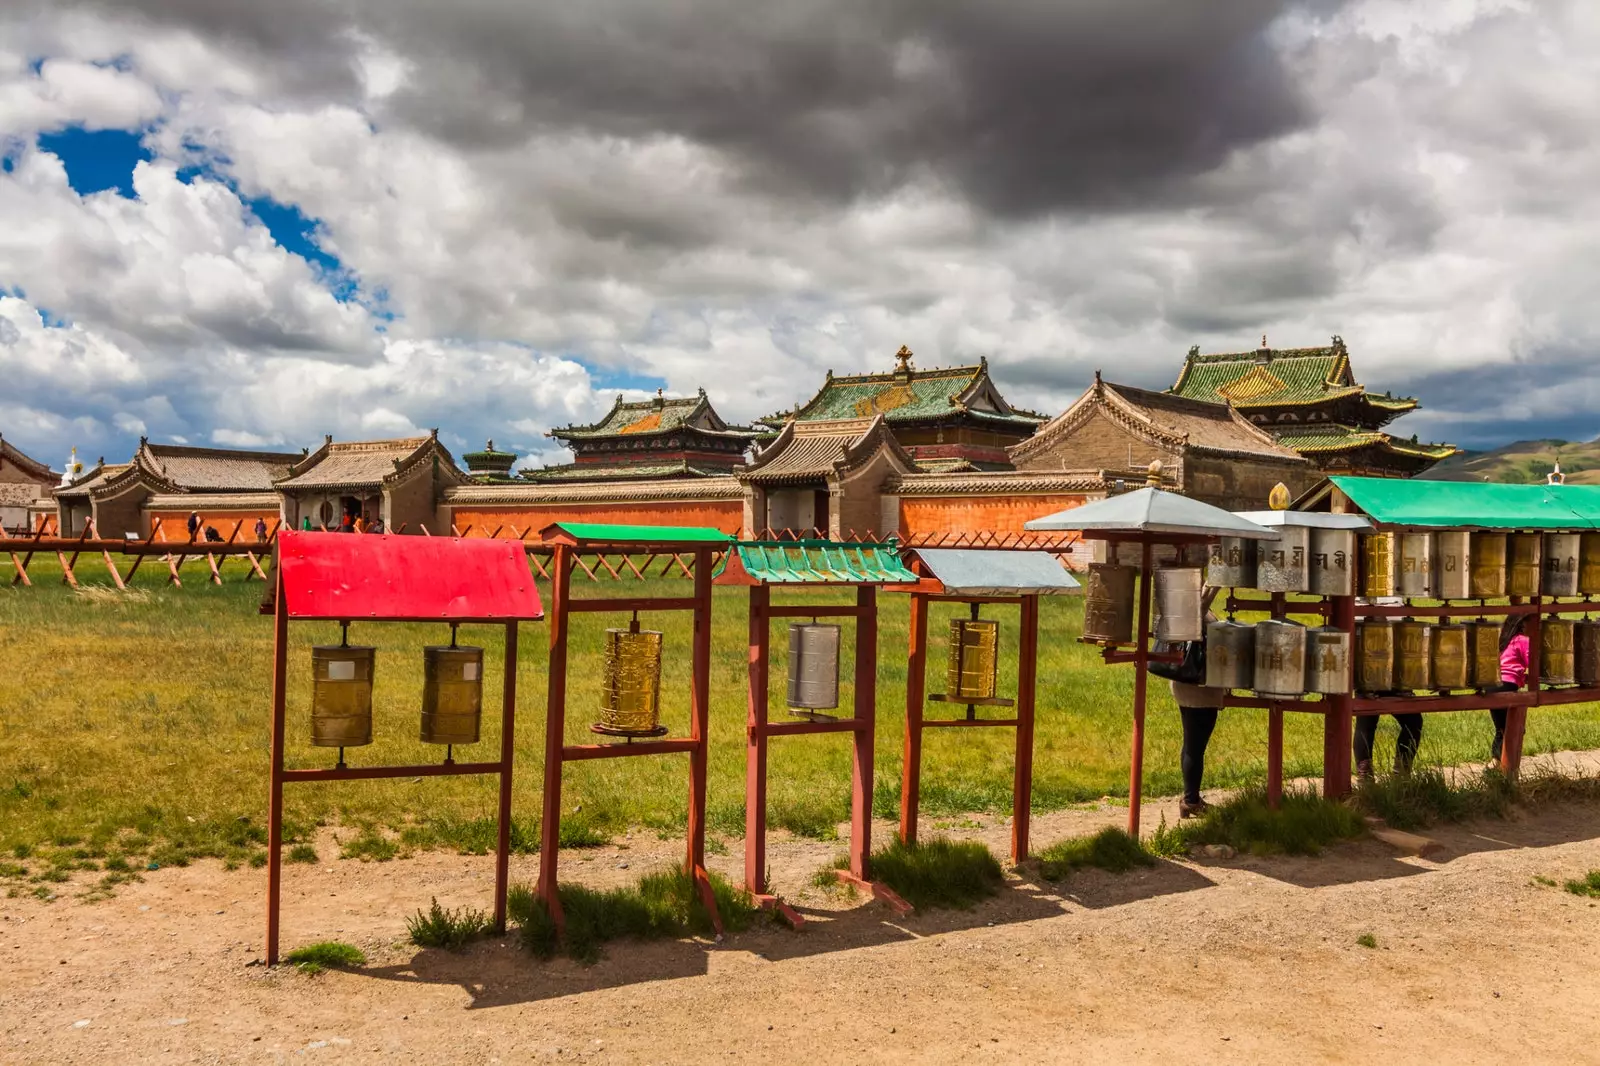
x: 1514, y: 652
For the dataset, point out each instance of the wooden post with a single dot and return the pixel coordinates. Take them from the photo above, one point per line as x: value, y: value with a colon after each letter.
x: 280, y: 663
x: 865, y: 712
x: 1027, y: 678
x: 555, y: 733
x: 1141, y: 658
x: 916, y: 695
x: 1274, y: 757
x: 508, y: 751
x: 1338, y: 723
x: 699, y: 732
x: 755, y: 754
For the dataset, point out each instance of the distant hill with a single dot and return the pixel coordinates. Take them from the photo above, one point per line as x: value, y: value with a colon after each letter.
x: 1523, y: 462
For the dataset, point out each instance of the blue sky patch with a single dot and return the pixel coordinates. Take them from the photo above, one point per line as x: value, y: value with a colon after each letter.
x: 97, y: 160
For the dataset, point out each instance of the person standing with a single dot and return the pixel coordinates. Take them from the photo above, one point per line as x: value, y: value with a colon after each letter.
x: 261, y: 529
x: 1514, y: 653
x: 1405, y: 746
x: 1197, y: 709
x: 194, y: 524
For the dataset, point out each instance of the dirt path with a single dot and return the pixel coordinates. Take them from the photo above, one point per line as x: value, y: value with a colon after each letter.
x: 1241, y: 960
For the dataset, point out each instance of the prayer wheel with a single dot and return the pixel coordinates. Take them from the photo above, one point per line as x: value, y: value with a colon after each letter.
x: 1557, y: 665
x: 1374, y: 655
x: 1487, y: 562
x: 1561, y: 564
x: 974, y: 659
x: 1280, y: 658
x: 1483, y: 637
x: 1230, y: 654
x: 1327, y: 660
x: 1452, y: 663
x: 1413, y: 659
x: 1177, y: 592
x: 631, y: 700
x: 1452, y: 565
x: 1281, y: 563
x: 1589, y: 564
x: 1232, y: 564
x: 1522, y: 570
x: 1380, y: 557
x: 813, y: 667
x: 1415, y: 579
x: 341, y: 695
x: 1332, y: 567
x: 1586, y: 646
x: 452, y: 694
x: 1108, y: 604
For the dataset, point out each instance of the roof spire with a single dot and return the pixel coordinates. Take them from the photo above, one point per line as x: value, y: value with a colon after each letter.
x: 902, y: 360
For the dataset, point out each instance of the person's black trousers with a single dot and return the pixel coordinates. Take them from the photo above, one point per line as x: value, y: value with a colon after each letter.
x: 1497, y: 715
x: 1405, y: 747
x: 1198, y: 722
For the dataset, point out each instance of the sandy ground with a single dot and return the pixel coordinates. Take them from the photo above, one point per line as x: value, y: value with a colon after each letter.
x: 1237, y: 960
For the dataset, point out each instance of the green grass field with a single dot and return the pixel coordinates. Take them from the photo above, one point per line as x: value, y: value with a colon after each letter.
x: 129, y: 723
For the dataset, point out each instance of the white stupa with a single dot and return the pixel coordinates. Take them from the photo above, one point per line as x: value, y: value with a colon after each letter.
x: 74, y: 468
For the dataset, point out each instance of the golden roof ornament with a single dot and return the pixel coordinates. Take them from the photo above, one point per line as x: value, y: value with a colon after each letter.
x: 1278, y: 498
x: 902, y: 360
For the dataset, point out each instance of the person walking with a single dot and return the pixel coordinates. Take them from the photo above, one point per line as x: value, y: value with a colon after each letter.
x: 194, y: 524
x: 1405, y: 746
x: 1197, y: 710
x: 1514, y: 653
x: 261, y: 529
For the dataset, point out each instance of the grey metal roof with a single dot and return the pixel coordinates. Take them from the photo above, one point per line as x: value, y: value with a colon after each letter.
x: 975, y: 572
x: 1153, y: 510
x: 1309, y: 519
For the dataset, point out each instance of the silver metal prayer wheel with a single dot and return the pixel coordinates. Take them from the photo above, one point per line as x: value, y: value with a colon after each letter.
x: 1232, y: 564
x: 1415, y: 579
x: 1586, y: 648
x: 341, y: 695
x: 1561, y: 564
x: 1327, y: 660
x: 1557, y: 663
x: 1374, y: 655
x: 1452, y: 662
x: 1413, y: 658
x: 1487, y: 566
x: 1281, y: 563
x: 1452, y: 565
x: 1177, y: 593
x: 452, y: 694
x: 813, y: 666
x: 1331, y: 570
x: 1483, y: 640
x: 1589, y: 564
x: 1280, y: 658
x: 1108, y: 604
x: 1230, y: 654
x: 1380, y: 560
x: 1523, y: 571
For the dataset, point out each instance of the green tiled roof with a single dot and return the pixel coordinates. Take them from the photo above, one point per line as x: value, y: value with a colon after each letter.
x: 1336, y: 438
x: 820, y: 562
x: 903, y: 396
x: 1284, y: 376
x: 621, y: 471
x: 658, y: 415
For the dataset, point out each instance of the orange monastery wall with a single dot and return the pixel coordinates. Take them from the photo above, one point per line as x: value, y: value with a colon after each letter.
x: 979, y: 514
x: 174, y: 525
x: 482, y: 521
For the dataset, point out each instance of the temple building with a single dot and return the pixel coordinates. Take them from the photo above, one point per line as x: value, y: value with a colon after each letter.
x: 947, y: 420
x: 24, y: 484
x: 650, y: 440
x: 825, y: 478
x: 401, y: 483
x: 1309, y: 399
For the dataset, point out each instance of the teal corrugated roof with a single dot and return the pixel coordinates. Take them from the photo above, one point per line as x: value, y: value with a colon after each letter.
x: 601, y: 533
x: 1468, y: 504
x: 821, y: 562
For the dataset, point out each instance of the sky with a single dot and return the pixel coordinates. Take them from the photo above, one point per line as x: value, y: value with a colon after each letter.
x: 230, y: 223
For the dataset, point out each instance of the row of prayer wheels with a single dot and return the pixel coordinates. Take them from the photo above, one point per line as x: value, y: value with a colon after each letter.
x: 1410, y: 655
x: 341, y: 694
x: 1459, y: 565
x: 1277, y: 658
x: 1302, y: 559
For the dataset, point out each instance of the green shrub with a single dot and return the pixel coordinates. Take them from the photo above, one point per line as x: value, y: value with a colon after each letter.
x: 301, y: 853
x: 938, y: 872
x: 326, y: 955
x: 1367, y: 940
x: 1303, y: 824
x: 1588, y: 885
x: 1427, y: 796
x: 1110, y: 849
x: 370, y: 846
x: 441, y: 928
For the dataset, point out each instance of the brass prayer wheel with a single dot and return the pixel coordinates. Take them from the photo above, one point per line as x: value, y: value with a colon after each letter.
x: 1108, y: 604
x: 341, y: 695
x: 1452, y: 565
x: 1484, y: 640
x: 1327, y: 660
x: 1413, y: 659
x: 1232, y: 564
x: 631, y: 695
x: 1230, y: 654
x: 452, y: 694
x: 1589, y: 564
x: 1415, y: 580
x: 1452, y: 663
x: 1586, y: 647
x: 1374, y: 655
x: 1331, y: 570
x: 1281, y: 563
x: 1522, y: 569
x: 1177, y: 595
x: 813, y: 666
x: 974, y: 659
x: 1487, y: 564
x: 1561, y: 564
x: 1280, y: 658
x: 1557, y: 663
x: 1380, y: 557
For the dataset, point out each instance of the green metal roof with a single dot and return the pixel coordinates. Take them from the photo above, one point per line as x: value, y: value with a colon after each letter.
x: 821, y: 562
x: 1469, y: 504
x: 661, y: 414
x: 624, y: 471
x: 599, y: 532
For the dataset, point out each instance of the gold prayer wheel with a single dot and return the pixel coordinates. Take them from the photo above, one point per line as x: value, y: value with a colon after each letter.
x: 813, y: 667
x: 1416, y: 565
x: 1588, y: 564
x: 452, y: 694
x: 1379, y: 559
x: 1452, y: 565
x: 1108, y: 604
x: 1557, y: 663
x: 1452, y: 664
x: 1483, y: 637
x: 631, y: 689
x: 1178, y: 594
x: 1586, y: 644
x: 341, y: 695
x: 1413, y: 659
x: 1487, y: 566
x: 974, y: 659
x: 1374, y: 655
x: 1560, y: 564
x: 1522, y: 571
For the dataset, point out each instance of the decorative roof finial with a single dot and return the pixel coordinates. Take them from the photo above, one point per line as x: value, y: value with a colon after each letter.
x: 1264, y: 342
x: 1152, y: 473
x: 1556, y: 477
x: 489, y: 445
x: 903, y: 358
